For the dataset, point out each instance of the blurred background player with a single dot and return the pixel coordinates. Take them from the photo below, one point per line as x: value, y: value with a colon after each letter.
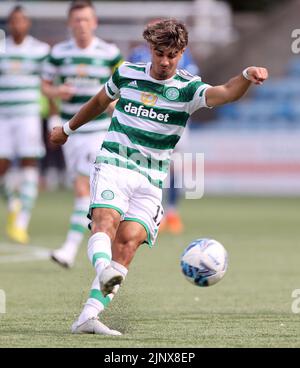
x: 172, y: 221
x: 83, y: 64
x: 20, y: 122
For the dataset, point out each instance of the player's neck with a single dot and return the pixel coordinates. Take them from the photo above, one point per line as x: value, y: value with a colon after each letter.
x: 84, y: 43
x: 160, y: 77
x: 19, y: 39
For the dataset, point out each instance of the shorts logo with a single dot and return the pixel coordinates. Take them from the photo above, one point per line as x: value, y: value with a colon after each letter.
x: 148, y: 99
x: 172, y: 93
x: 108, y: 195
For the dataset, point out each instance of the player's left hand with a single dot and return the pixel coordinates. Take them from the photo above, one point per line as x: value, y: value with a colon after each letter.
x: 257, y: 75
x: 58, y: 136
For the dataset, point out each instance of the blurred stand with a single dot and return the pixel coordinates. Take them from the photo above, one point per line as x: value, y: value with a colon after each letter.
x: 223, y: 43
x: 204, y: 18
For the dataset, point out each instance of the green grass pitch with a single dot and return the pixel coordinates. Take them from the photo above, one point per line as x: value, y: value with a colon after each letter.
x: 157, y: 307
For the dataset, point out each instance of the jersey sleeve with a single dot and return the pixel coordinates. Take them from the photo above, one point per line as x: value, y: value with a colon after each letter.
x: 199, y: 98
x: 43, y: 60
x: 116, y: 58
x: 112, y: 86
x: 50, y: 67
x: 117, y: 61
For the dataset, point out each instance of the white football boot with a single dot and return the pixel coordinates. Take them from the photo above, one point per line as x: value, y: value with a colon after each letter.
x: 109, y: 279
x: 63, y: 257
x: 93, y: 326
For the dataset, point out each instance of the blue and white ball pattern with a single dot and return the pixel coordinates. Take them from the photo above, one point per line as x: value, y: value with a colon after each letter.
x: 204, y: 262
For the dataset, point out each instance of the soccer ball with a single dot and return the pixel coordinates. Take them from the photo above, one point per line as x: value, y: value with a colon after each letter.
x: 204, y: 262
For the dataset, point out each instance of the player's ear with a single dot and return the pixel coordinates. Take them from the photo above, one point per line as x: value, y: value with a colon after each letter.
x: 29, y: 23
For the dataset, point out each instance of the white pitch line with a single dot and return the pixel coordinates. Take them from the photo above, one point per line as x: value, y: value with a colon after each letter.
x: 19, y: 248
x: 25, y: 253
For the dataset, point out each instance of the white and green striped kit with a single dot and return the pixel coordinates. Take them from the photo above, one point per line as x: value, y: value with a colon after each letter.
x: 86, y: 70
x: 20, y: 69
x: 149, y: 118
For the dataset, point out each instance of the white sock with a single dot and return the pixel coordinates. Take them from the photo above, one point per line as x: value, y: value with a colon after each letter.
x: 99, y: 251
x: 72, y: 244
x: 96, y: 302
x: 78, y: 226
x: 117, y: 266
x: 28, y: 195
x: 9, y: 189
x: 79, y: 221
x: 13, y: 204
x: 12, y: 188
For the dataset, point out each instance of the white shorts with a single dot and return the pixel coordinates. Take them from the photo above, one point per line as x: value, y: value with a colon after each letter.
x: 21, y: 137
x: 129, y: 193
x: 80, y: 152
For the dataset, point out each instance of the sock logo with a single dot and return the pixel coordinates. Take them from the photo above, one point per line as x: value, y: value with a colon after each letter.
x: 108, y: 195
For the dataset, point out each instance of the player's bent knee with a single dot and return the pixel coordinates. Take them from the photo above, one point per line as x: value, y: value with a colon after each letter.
x: 4, y: 166
x: 105, y: 220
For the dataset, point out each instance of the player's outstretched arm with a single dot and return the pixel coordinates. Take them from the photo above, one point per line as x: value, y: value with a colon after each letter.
x: 63, y: 91
x: 236, y: 87
x: 94, y: 107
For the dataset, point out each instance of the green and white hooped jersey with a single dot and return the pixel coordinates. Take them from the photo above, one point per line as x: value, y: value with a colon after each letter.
x: 87, y: 70
x: 149, y: 118
x: 20, y: 70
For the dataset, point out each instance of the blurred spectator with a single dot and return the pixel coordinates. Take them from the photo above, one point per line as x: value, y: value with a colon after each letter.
x: 82, y: 64
x: 21, y: 134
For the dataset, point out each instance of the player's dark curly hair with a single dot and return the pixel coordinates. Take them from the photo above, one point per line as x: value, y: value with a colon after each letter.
x: 166, y: 33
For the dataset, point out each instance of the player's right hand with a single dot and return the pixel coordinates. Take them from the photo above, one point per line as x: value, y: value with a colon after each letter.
x: 65, y: 92
x: 58, y: 136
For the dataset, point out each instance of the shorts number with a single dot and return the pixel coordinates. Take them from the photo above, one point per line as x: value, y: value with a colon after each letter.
x: 159, y: 211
